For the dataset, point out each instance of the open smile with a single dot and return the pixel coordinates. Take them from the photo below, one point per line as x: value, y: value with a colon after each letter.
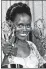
x: 23, y: 35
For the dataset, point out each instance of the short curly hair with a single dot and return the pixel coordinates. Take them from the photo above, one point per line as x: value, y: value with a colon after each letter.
x: 17, y: 8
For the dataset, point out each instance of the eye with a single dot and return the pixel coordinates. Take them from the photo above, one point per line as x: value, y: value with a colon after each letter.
x: 28, y: 25
x: 20, y: 25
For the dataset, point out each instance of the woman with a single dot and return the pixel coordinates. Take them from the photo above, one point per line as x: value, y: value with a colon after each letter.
x: 17, y: 49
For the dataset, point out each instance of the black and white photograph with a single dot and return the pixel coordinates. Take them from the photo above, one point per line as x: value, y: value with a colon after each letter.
x: 23, y: 34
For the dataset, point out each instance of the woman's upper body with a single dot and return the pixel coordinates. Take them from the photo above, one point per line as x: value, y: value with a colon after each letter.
x: 17, y: 48
x: 33, y: 60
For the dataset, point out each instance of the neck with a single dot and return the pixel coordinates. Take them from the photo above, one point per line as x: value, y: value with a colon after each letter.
x: 19, y: 40
x: 21, y: 43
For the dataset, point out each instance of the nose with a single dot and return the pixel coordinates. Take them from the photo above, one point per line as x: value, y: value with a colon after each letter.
x: 24, y: 28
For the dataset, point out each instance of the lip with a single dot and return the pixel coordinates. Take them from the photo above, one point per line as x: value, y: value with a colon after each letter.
x: 23, y: 35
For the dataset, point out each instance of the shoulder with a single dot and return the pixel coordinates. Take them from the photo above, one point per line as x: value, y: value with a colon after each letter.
x: 32, y: 45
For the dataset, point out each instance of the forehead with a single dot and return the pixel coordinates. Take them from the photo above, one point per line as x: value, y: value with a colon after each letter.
x: 22, y: 18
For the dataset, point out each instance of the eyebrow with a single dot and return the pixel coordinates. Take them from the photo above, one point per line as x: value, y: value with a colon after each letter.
x: 29, y: 24
x: 20, y: 24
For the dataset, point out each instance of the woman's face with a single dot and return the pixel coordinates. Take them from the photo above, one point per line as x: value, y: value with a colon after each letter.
x: 22, y: 25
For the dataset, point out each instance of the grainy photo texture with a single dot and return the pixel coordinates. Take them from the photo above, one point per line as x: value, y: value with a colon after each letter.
x: 23, y: 31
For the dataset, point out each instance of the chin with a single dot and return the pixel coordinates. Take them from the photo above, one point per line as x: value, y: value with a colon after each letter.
x: 23, y: 38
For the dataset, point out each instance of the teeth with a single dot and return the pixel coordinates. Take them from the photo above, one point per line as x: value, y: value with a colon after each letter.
x: 23, y: 34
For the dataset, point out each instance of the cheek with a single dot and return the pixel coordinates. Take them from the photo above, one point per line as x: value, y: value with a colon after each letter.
x: 18, y: 31
x: 29, y: 29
